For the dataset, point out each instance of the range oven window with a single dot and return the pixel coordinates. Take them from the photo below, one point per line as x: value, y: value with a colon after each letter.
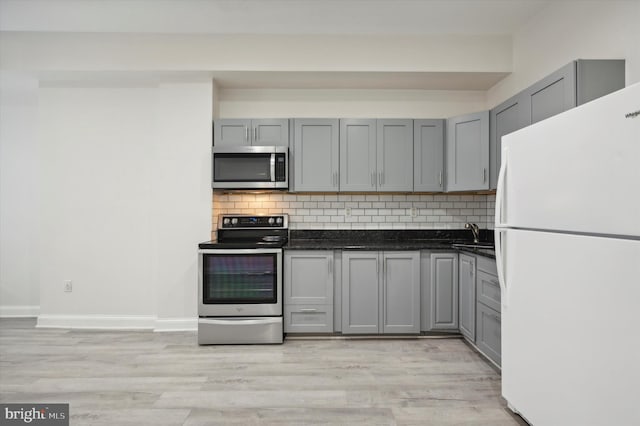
x: 239, y: 278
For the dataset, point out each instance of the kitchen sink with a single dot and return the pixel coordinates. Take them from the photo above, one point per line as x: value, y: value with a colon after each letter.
x: 474, y: 245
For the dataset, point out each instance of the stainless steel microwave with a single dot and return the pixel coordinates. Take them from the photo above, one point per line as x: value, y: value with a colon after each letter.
x: 250, y: 167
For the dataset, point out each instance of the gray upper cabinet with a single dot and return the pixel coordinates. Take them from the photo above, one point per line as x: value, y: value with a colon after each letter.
x: 380, y: 292
x: 315, y: 155
x: 394, y: 155
x: 467, y: 296
x: 358, y: 162
x: 574, y: 84
x: 258, y: 132
x: 428, y: 155
x: 231, y: 132
x: 509, y: 116
x: 468, y: 152
x: 444, y: 292
x: 553, y: 94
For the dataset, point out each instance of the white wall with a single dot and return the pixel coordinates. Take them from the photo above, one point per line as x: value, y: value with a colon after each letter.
x: 125, y: 201
x: 19, y: 189
x: 274, y: 103
x: 570, y: 30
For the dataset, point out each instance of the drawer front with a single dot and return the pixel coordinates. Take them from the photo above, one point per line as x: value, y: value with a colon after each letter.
x: 487, y: 265
x: 489, y: 333
x: 488, y: 290
x: 308, y: 319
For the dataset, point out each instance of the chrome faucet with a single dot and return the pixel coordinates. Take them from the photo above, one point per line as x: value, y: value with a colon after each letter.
x: 474, y: 230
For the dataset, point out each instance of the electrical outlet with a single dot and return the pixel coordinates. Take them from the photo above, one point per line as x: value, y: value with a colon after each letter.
x: 414, y: 212
x: 347, y: 211
x: 68, y: 286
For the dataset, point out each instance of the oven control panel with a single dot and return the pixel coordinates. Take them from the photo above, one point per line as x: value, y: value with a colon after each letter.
x: 238, y: 221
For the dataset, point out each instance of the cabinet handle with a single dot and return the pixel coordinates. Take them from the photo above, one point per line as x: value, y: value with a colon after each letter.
x: 246, y: 133
x: 308, y: 310
x: 330, y: 266
x: 380, y: 178
x: 440, y: 179
x: 255, y: 134
x: 484, y: 175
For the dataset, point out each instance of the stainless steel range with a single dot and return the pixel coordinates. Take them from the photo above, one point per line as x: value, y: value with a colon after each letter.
x: 240, y: 281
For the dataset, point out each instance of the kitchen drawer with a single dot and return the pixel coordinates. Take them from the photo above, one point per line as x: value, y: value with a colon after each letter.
x: 488, y: 332
x: 487, y: 265
x: 488, y: 290
x: 308, y: 319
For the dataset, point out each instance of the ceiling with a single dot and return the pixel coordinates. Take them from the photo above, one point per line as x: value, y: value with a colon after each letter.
x: 391, y: 18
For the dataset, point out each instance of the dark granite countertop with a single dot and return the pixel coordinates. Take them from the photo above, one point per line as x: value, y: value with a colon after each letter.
x: 387, y: 240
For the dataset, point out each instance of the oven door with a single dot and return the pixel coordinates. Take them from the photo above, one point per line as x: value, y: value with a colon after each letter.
x: 240, y: 282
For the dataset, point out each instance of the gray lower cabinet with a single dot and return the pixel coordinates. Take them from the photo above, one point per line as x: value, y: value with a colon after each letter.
x: 380, y: 292
x: 488, y: 338
x: 467, y: 152
x: 488, y: 307
x: 257, y: 132
x: 428, y: 155
x: 467, y: 296
x: 308, y: 291
x: 315, y: 156
x: 443, y: 292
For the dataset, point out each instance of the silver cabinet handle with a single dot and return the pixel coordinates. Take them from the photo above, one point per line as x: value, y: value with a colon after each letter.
x: 380, y: 178
x: 246, y: 133
x: 330, y: 266
x: 440, y: 179
x: 484, y: 175
x: 308, y: 310
x: 255, y: 134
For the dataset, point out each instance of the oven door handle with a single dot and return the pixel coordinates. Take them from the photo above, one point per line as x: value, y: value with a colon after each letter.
x: 241, y: 321
x: 255, y: 274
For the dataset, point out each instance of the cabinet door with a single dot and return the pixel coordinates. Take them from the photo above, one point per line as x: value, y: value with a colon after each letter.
x: 468, y: 152
x: 507, y: 117
x: 444, y: 291
x: 232, y: 132
x: 553, y: 94
x: 467, y: 296
x: 428, y: 155
x: 401, y: 292
x: 315, y: 155
x: 489, y: 338
x: 308, y: 277
x: 394, y: 153
x: 270, y: 132
x: 360, y: 293
x: 358, y: 155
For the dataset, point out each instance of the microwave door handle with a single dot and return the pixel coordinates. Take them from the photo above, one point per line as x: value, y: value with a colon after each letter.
x: 273, y: 167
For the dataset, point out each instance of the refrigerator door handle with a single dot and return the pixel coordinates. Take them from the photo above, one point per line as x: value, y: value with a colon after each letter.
x: 500, y: 264
x: 500, y: 189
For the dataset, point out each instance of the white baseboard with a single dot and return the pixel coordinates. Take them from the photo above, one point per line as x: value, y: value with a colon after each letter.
x: 110, y: 322
x: 176, y: 324
x: 25, y: 311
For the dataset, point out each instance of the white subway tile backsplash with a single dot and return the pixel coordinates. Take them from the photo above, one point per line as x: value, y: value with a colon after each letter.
x: 368, y: 211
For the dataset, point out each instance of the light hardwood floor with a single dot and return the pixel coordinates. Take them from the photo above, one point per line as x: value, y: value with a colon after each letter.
x: 145, y: 378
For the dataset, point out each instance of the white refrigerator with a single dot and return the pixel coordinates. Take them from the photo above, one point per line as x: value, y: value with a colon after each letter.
x: 568, y: 253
